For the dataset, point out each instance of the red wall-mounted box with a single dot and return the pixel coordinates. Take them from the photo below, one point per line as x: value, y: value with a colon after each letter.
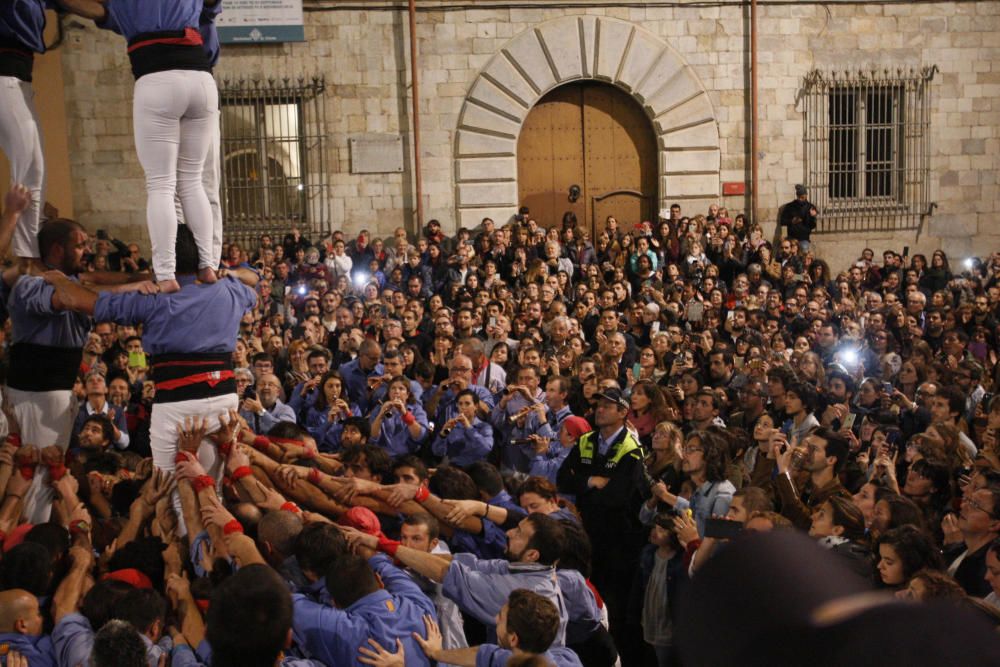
x: 733, y: 189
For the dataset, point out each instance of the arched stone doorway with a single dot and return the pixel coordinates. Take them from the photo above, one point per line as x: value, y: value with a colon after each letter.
x: 594, y: 139
x: 575, y: 48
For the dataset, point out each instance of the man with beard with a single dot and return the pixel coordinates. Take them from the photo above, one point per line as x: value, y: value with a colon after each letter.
x: 47, y: 343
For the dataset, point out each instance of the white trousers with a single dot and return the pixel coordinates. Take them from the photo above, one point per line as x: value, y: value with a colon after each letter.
x: 173, y: 115
x: 21, y: 142
x: 211, y: 178
x: 164, y: 423
x: 46, y: 418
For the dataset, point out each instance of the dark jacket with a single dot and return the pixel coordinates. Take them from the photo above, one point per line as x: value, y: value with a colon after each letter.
x: 677, y: 580
x: 799, y: 509
x: 798, y: 208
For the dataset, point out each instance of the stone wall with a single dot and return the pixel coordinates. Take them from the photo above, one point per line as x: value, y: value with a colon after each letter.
x: 364, y: 57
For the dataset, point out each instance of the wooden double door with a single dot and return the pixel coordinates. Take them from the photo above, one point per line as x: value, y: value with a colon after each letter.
x: 595, y: 137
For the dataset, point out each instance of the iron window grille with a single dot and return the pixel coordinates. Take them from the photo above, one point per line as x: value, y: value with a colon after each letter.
x: 867, y: 152
x: 274, y: 174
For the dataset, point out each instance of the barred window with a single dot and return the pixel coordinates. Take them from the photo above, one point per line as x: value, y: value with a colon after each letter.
x: 867, y: 157
x: 273, y: 172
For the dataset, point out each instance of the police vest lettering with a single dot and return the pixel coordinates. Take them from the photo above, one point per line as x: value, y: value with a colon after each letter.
x: 625, y: 446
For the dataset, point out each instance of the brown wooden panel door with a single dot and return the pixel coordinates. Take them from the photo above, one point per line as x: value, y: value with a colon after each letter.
x: 620, y: 156
x: 550, y: 156
x: 595, y: 136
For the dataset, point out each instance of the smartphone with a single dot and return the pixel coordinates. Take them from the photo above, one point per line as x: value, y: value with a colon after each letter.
x: 636, y: 368
x: 906, y: 251
x: 493, y: 321
x: 102, y: 234
x: 723, y: 529
x: 849, y: 420
x: 137, y: 360
x: 730, y: 315
x: 888, y: 388
x: 521, y: 441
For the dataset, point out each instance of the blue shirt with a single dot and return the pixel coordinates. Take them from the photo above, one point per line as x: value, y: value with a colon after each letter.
x: 73, y: 639
x: 36, y: 648
x: 491, y: 543
x: 394, y: 436
x: 184, y: 656
x: 209, y: 33
x: 464, y: 446
x: 481, y: 588
x: 32, y: 319
x: 448, y: 407
x: 24, y: 22
x: 279, y: 412
x: 196, y: 319
x: 356, y: 381
x: 131, y: 18
x: 333, y: 635
x: 491, y: 655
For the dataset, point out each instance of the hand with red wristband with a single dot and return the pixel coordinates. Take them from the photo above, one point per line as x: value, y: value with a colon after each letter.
x: 287, y: 475
x: 400, y: 493
x: 214, y: 513
x: 366, y: 544
x: 188, y: 466
x: 53, y: 458
x: 238, y: 458
x: 228, y: 433
x: 26, y: 460
x: 191, y: 434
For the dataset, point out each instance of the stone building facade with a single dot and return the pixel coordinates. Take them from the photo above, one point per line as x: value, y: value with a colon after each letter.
x: 483, y: 65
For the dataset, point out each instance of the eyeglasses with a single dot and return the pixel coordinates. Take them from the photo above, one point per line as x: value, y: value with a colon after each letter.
x: 462, y: 369
x: 971, y: 502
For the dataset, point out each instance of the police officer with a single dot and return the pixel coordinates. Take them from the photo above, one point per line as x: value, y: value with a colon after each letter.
x: 601, y: 471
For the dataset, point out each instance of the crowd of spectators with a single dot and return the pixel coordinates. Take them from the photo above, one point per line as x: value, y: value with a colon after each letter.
x: 519, y: 445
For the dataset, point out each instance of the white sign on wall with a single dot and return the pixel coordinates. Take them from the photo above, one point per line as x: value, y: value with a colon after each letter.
x: 261, y: 21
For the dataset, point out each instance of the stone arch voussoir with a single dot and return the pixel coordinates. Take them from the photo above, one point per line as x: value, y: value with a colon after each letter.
x: 568, y: 49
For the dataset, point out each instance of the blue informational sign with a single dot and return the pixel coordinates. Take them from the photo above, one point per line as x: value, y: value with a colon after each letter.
x: 261, y: 21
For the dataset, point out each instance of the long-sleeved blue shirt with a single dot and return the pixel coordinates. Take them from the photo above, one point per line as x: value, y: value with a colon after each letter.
x: 356, y: 382
x: 394, y: 436
x: 198, y: 319
x: 23, y: 21
x: 464, y: 446
x: 36, y: 648
x: 333, y: 635
x: 137, y: 17
x: 491, y: 655
x: 33, y: 320
x: 277, y: 413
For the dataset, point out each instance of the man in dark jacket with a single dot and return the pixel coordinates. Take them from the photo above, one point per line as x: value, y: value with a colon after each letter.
x: 799, y: 216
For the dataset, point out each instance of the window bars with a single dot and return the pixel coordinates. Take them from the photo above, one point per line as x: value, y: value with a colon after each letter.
x: 274, y: 174
x: 866, y: 148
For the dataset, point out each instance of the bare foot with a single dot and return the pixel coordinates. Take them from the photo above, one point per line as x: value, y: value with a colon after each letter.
x: 207, y: 275
x: 168, y: 286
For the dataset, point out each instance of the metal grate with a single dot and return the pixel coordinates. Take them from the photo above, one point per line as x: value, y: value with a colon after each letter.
x: 274, y: 174
x: 867, y: 154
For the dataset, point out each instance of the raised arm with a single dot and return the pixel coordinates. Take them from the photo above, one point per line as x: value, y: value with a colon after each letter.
x: 69, y: 295
x: 88, y: 9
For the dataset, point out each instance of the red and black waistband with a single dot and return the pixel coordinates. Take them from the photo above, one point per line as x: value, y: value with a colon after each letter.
x: 16, y: 59
x: 184, y: 377
x: 152, y: 52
